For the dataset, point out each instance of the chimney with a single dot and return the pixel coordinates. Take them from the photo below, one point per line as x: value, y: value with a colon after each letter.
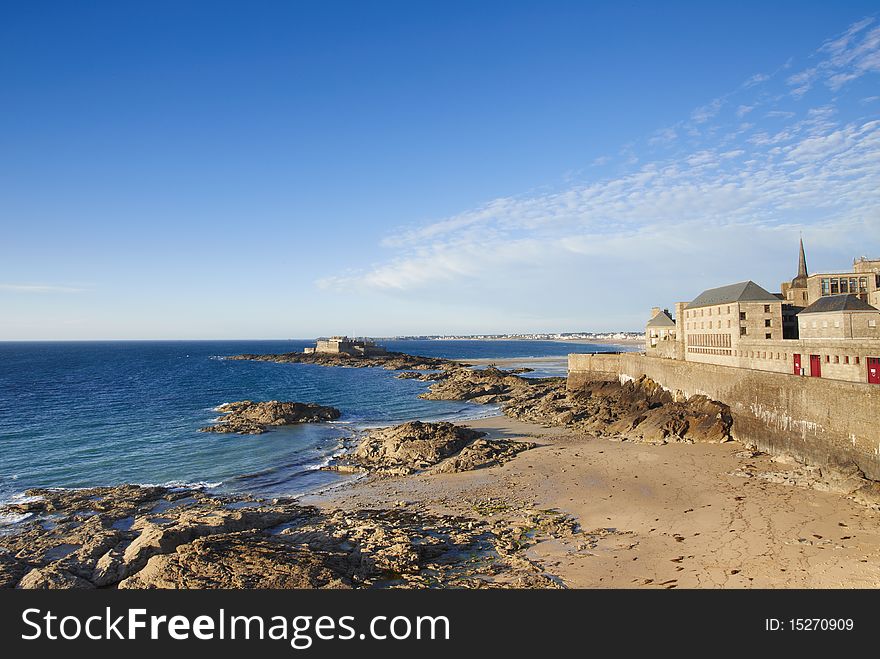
x: 654, y: 311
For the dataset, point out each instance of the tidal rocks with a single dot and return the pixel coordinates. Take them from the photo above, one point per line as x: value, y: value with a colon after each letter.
x: 250, y: 418
x: 131, y: 537
x: 393, y: 361
x: 440, y: 447
x: 637, y: 410
x: 483, y: 453
x: 424, y: 377
x: 411, y: 446
x: 236, y: 560
x: 489, y: 385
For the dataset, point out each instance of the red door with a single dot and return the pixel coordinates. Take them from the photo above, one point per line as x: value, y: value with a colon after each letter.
x: 815, y: 366
x: 797, y: 364
x: 874, y: 370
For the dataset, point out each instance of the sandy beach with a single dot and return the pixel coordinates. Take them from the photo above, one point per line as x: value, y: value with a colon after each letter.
x: 659, y: 516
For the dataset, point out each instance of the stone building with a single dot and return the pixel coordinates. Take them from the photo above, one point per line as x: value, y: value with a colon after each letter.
x: 802, y: 331
x: 344, y: 345
x: 660, y: 334
x: 839, y: 317
x: 718, y: 320
x: 862, y: 281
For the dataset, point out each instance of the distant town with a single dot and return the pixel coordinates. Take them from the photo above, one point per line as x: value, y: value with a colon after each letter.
x: 551, y: 336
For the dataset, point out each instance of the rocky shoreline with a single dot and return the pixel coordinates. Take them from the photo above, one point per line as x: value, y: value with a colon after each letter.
x: 414, y: 447
x: 153, y: 537
x: 393, y: 361
x: 638, y: 410
x: 249, y: 418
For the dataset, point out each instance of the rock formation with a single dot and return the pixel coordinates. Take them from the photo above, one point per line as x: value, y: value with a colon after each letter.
x: 417, y: 446
x: 250, y: 418
x: 638, y: 410
x: 155, y: 537
x: 393, y: 361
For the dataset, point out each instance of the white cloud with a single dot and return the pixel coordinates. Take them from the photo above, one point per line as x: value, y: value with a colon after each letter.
x: 705, y: 112
x: 844, y: 59
x: 756, y: 79
x: 663, y: 136
x: 728, y: 205
x: 39, y: 288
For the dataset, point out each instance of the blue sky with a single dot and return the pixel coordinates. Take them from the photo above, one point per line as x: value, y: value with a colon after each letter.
x: 292, y: 169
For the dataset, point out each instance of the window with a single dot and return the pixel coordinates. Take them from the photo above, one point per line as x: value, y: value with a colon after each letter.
x: 844, y: 288
x: 863, y: 284
x: 835, y: 289
x: 846, y: 359
x: 836, y: 359
x: 742, y: 315
x: 824, y: 323
x: 872, y: 323
x: 766, y: 308
x: 827, y: 359
x: 826, y: 287
x: 728, y: 323
x: 728, y: 308
x: 856, y: 358
x: 742, y: 331
x: 767, y: 322
x: 768, y: 336
x: 837, y: 323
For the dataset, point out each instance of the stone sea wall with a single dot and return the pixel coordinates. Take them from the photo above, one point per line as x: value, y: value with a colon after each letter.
x: 819, y: 421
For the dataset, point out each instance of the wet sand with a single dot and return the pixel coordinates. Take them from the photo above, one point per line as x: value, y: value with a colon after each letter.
x: 666, y: 516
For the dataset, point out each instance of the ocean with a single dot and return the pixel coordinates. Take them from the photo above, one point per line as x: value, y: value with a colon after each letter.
x: 105, y: 413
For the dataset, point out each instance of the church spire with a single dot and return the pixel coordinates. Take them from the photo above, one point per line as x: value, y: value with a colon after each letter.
x: 802, y: 262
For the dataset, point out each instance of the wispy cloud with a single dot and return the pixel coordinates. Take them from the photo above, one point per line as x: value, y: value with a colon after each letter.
x: 705, y: 112
x: 734, y: 186
x: 664, y: 136
x: 40, y: 288
x: 842, y: 59
x: 756, y: 79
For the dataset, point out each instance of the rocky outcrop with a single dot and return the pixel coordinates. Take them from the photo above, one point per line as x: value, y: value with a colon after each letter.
x: 410, y: 446
x: 424, y: 377
x: 393, y: 361
x: 440, y: 447
x: 638, y: 410
x: 250, y: 418
x: 153, y: 537
x: 488, y: 385
x: 237, y: 560
x: 482, y: 453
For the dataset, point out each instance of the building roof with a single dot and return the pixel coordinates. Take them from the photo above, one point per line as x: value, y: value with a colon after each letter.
x: 744, y: 291
x: 662, y: 319
x: 843, y: 302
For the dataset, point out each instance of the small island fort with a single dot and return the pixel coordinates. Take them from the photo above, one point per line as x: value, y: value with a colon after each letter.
x: 342, y: 345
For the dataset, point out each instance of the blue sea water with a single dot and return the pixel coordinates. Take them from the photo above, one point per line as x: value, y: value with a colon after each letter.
x: 104, y: 413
